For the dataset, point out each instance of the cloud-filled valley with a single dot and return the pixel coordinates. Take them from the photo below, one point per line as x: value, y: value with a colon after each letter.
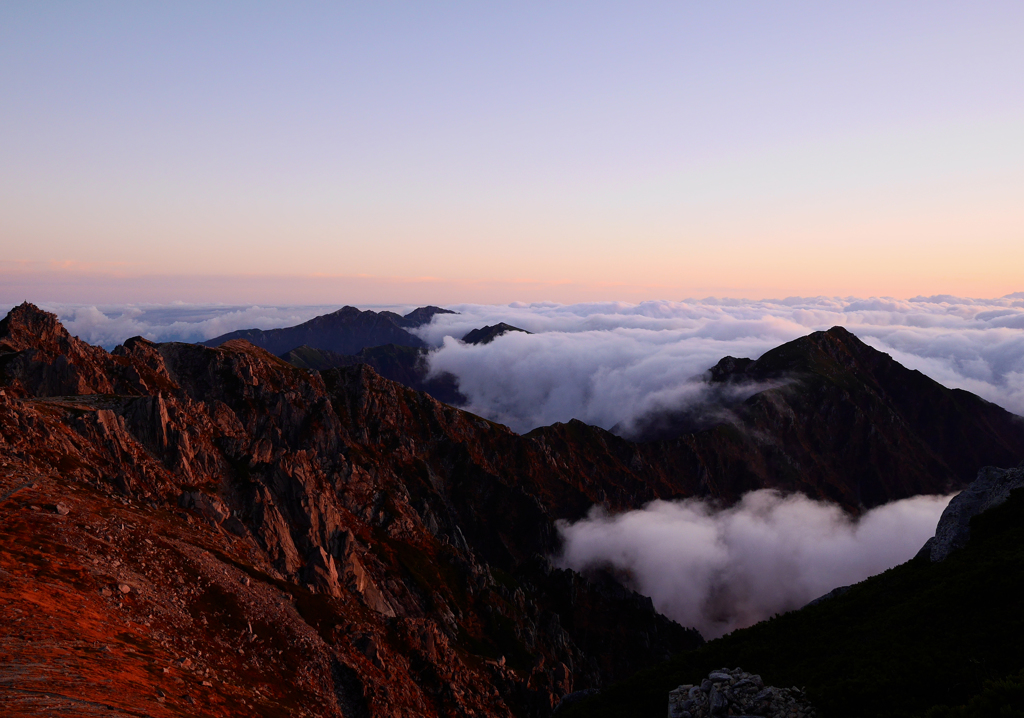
x: 718, y: 569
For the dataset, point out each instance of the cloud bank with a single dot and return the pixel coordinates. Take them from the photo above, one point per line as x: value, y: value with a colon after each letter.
x: 611, y: 363
x: 722, y: 569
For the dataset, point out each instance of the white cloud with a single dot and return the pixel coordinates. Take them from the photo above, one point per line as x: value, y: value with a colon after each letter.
x: 721, y: 569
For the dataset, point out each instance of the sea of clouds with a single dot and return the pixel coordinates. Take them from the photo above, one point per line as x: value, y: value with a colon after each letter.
x: 719, y: 569
x: 610, y: 364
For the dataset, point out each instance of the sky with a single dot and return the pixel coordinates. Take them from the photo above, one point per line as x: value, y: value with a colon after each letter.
x: 390, y: 153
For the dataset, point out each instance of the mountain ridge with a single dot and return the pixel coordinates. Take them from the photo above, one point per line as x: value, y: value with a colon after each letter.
x: 831, y: 395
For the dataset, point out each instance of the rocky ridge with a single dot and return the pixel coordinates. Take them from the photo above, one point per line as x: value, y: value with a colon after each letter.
x: 358, y: 539
x: 731, y: 692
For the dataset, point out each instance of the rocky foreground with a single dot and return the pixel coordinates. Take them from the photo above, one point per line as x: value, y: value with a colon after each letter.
x: 732, y: 692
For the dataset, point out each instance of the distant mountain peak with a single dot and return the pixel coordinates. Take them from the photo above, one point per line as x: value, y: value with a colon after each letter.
x: 487, y: 334
x: 345, y: 331
x: 423, y: 315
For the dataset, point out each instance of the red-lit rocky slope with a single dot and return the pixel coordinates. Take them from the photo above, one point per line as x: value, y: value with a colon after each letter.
x: 196, y: 531
x: 211, y: 531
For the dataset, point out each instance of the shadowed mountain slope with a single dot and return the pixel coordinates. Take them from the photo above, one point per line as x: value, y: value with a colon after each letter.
x: 843, y: 421
x: 406, y: 365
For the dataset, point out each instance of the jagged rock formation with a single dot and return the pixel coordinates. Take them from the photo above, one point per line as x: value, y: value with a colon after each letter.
x: 346, y: 331
x: 992, y: 488
x: 406, y: 365
x: 487, y: 334
x: 197, y: 530
x: 728, y: 692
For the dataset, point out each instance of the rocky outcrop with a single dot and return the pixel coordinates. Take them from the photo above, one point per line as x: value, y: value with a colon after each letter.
x: 731, y: 692
x: 992, y: 488
x: 39, y: 358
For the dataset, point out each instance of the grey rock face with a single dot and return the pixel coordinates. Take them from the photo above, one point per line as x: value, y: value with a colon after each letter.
x: 990, y: 489
x: 732, y: 692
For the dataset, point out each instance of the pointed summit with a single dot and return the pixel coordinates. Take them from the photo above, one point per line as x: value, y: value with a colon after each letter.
x: 38, y: 357
x: 422, y: 315
x: 827, y: 414
x: 29, y: 327
x: 828, y: 354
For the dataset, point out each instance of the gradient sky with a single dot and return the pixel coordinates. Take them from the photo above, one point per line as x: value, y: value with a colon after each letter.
x: 491, y: 152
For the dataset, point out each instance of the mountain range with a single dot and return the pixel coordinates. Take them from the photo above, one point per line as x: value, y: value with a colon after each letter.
x: 197, y: 529
x: 381, y: 340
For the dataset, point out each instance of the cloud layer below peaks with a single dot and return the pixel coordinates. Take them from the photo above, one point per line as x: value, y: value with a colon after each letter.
x: 610, y: 364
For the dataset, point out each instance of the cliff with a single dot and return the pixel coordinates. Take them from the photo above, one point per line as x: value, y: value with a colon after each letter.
x: 992, y: 488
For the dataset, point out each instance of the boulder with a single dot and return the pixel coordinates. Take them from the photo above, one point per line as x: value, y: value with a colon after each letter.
x: 732, y: 692
x: 990, y: 489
